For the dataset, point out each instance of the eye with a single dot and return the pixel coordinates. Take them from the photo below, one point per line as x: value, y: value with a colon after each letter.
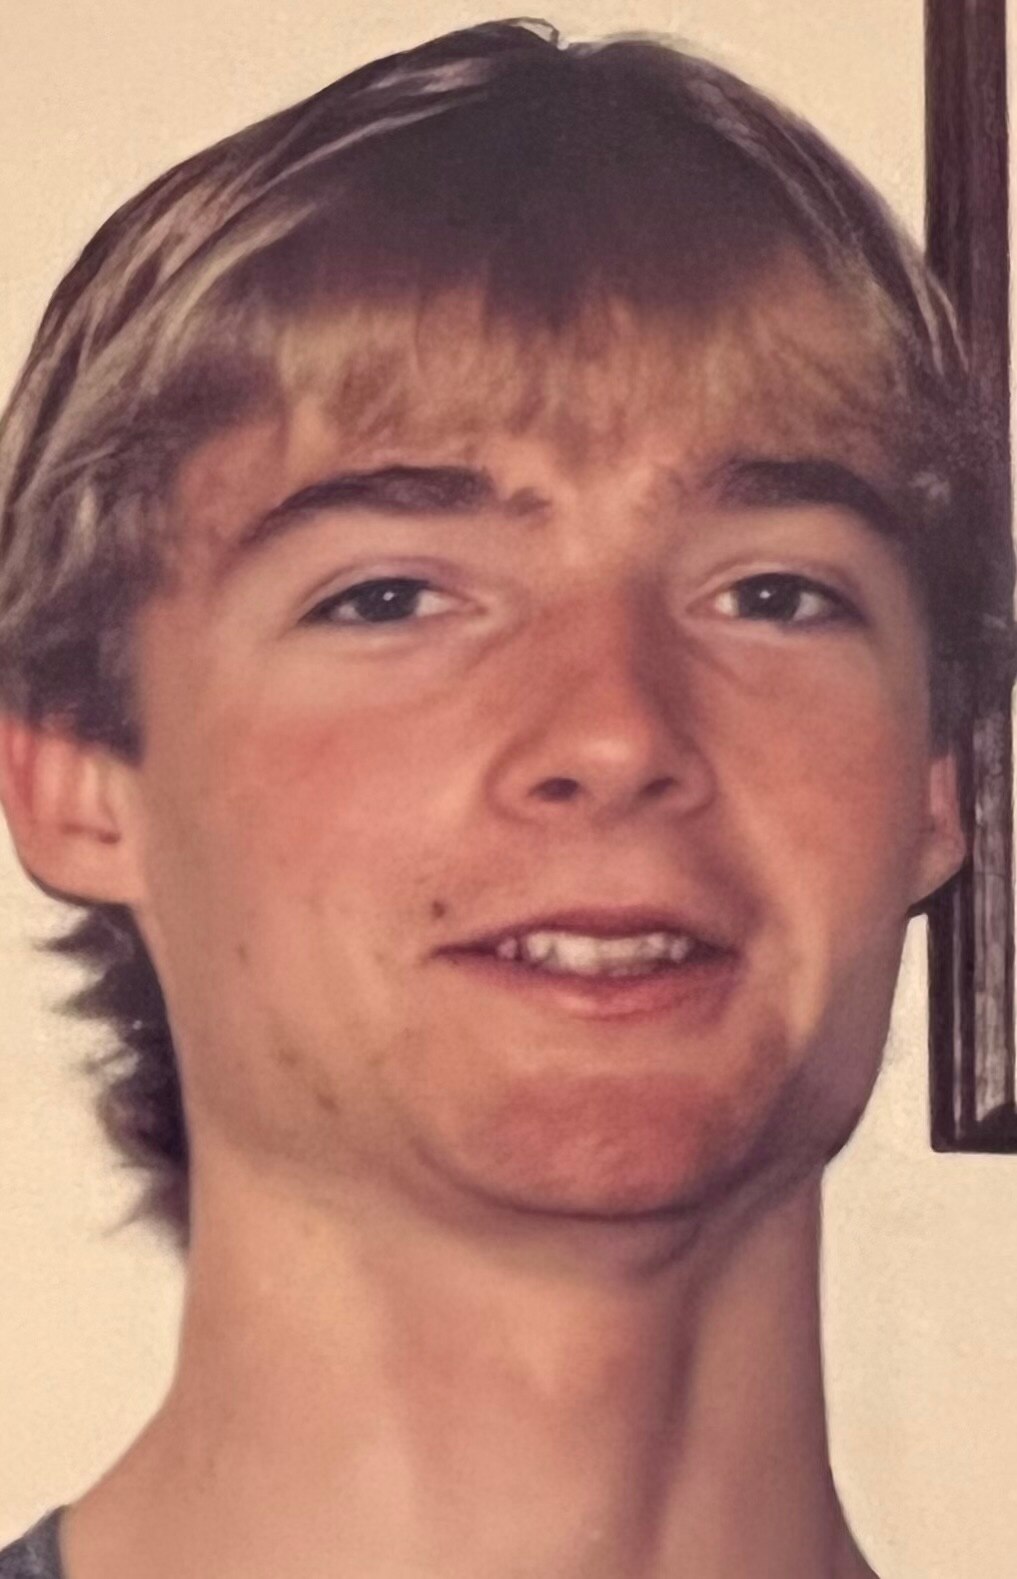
x: 385, y: 601
x: 781, y: 598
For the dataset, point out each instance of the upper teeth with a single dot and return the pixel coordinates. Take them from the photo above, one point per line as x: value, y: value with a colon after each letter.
x: 619, y: 956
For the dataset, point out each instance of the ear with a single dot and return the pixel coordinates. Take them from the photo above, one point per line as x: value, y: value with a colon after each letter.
x: 943, y: 849
x: 68, y: 807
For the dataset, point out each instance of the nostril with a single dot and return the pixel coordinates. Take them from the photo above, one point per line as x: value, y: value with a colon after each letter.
x: 557, y: 789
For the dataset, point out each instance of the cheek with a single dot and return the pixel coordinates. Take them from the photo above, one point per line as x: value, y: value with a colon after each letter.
x: 833, y: 783
x: 834, y: 819
x: 315, y: 790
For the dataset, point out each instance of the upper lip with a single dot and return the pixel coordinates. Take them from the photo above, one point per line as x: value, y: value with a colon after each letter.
x: 616, y: 921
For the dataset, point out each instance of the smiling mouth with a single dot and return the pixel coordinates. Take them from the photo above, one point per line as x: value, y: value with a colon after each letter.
x: 614, y: 970
x: 566, y: 953
x: 620, y: 940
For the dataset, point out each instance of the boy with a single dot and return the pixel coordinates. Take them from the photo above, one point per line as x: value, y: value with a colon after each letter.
x: 493, y: 570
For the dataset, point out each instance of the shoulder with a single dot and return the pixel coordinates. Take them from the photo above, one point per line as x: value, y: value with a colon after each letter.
x: 37, y: 1554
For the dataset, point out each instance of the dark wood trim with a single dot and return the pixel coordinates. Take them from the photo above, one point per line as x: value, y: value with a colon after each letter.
x: 971, y: 924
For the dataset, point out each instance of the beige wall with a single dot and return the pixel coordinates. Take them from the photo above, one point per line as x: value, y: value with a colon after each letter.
x: 921, y: 1266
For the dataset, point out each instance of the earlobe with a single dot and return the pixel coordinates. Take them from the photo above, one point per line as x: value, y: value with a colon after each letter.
x: 67, y: 811
x: 944, y: 848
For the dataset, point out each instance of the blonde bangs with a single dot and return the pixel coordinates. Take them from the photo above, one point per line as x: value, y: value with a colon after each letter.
x: 790, y: 366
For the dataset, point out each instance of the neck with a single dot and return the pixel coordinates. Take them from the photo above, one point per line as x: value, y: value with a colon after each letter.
x: 562, y: 1404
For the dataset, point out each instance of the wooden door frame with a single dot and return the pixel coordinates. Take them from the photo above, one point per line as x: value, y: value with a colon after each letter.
x: 971, y: 923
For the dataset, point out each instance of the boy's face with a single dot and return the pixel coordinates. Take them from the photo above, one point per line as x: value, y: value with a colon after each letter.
x: 590, y: 683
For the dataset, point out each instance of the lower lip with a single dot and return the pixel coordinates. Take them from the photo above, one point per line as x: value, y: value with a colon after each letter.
x: 698, y: 988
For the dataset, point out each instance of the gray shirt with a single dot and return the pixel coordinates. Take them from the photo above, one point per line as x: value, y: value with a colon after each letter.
x: 37, y: 1554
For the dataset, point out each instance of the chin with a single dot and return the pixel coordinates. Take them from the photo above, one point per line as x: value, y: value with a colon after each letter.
x: 609, y: 1147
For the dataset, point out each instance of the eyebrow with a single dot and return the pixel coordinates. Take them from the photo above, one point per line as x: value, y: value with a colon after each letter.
x: 739, y: 481
x: 763, y: 482
x: 389, y: 490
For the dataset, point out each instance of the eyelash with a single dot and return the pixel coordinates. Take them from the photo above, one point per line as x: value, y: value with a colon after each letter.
x: 839, y: 608
x: 775, y: 583
x: 322, y: 612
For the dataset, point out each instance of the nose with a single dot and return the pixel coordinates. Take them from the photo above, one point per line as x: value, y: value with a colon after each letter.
x: 604, y: 727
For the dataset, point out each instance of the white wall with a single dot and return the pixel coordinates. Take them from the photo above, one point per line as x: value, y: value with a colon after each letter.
x: 96, y: 96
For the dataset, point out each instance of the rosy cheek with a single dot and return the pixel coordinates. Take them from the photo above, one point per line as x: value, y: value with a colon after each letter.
x: 308, y: 790
x: 837, y: 745
x: 872, y: 784
x: 826, y: 803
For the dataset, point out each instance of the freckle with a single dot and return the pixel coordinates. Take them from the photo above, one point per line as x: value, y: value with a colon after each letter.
x: 325, y: 1100
x: 439, y: 909
x: 289, y: 1057
x: 243, y: 953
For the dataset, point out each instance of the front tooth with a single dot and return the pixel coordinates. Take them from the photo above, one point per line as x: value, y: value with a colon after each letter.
x: 540, y: 948
x: 593, y: 955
